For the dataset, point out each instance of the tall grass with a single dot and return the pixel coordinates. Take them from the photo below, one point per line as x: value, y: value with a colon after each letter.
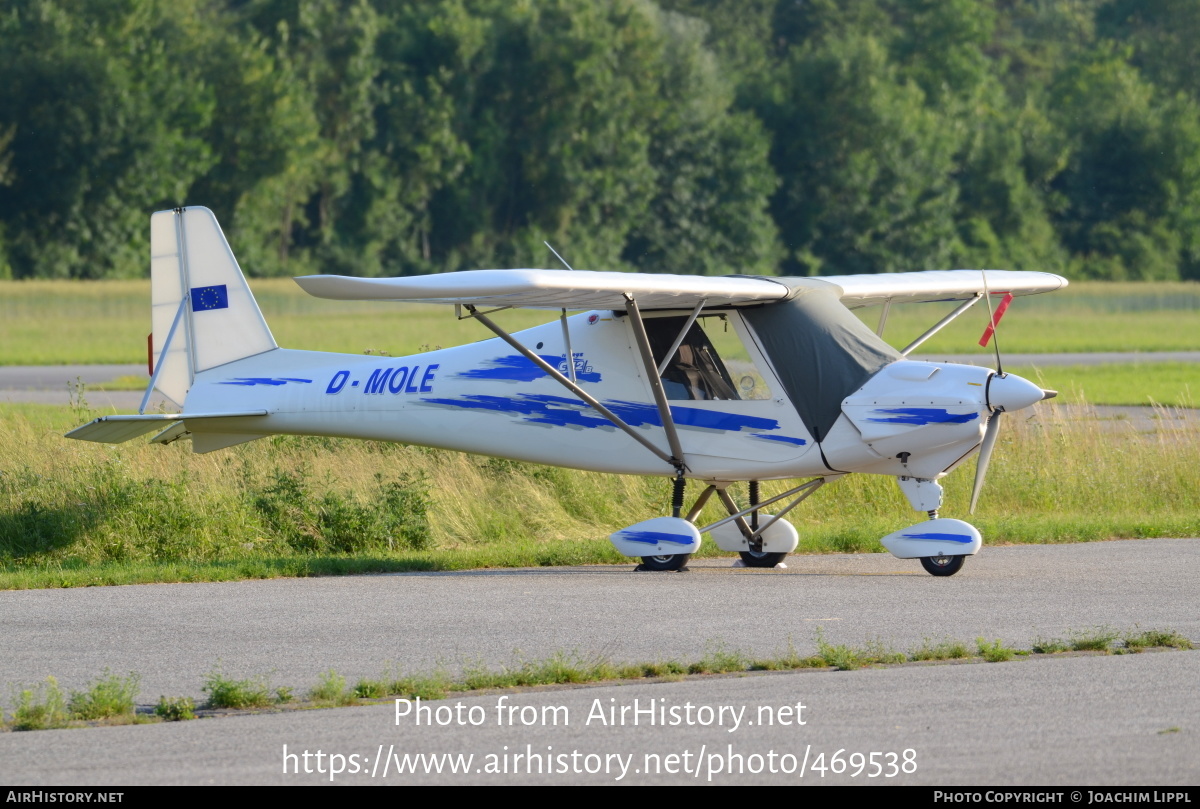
x: 75, y: 512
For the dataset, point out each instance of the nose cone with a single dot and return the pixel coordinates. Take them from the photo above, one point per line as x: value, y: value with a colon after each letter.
x: 1010, y: 392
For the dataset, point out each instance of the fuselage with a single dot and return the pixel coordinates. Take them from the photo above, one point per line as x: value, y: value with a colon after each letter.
x: 738, y: 423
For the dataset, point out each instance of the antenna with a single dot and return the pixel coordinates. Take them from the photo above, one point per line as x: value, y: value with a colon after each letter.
x: 556, y: 255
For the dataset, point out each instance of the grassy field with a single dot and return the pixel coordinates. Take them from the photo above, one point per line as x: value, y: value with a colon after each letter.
x: 75, y: 513
x: 63, y: 322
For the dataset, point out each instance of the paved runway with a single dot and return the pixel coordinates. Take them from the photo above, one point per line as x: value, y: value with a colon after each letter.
x: 1122, y: 719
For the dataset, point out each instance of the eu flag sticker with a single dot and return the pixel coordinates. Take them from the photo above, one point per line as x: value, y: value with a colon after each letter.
x: 205, y: 298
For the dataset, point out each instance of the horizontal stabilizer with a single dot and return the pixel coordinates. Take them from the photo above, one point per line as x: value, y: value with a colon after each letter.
x: 118, y: 429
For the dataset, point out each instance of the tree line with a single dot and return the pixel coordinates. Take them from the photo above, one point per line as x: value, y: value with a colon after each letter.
x: 394, y: 137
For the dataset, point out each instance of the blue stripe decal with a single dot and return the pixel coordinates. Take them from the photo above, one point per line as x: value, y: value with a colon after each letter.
x: 561, y: 411
x: 965, y: 539
x: 655, y: 537
x: 519, y: 368
x: 250, y: 381
x: 785, y: 439
x: 922, y: 415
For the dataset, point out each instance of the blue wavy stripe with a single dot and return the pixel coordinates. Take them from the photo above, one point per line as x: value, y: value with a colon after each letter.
x: 785, y: 439
x: 655, y: 537
x: 250, y: 381
x: 562, y: 411
x: 922, y: 415
x: 519, y: 368
x: 965, y: 539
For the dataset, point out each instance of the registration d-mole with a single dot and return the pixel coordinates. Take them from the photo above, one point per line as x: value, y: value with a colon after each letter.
x: 714, y: 379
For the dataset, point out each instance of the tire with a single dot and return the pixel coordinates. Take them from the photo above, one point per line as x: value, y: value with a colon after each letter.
x: 673, y: 562
x: 942, y: 565
x: 761, y: 558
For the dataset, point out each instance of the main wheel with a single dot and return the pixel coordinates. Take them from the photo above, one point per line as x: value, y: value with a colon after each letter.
x: 942, y: 565
x: 761, y: 558
x: 673, y: 562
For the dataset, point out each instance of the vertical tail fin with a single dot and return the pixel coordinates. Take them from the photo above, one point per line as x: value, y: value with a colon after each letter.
x: 203, y: 312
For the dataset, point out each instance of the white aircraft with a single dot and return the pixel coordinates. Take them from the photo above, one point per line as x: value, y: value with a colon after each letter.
x: 799, y: 387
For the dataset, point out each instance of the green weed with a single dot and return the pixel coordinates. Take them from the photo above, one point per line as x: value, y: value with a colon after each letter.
x: 425, y: 686
x: 1049, y: 646
x: 994, y: 651
x: 1099, y: 639
x: 1156, y: 638
x: 719, y: 660
x: 371, y: 689
x: 109, y: 697
x: 331, y: 690
x: 787, y: 660
x: 559, y: 668
x: 175, y: 709
x: 225, y: 692
x: 40, y: 708
x: 942, y: 650
x: 842, y: 658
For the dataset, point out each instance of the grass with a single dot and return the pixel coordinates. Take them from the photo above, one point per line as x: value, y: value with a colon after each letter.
x: 1171, y: 384
x: 111, y: 697
x: 941, y: 650
x: 39, y: 708
x: 78, y: 514
x: 994, y: 651
x: 331, y: 690
x: 68, y: 322
x: 175, y: 709
x: 253, y: 692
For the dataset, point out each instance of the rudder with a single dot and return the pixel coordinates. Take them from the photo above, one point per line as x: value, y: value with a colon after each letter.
x: 202, y: 310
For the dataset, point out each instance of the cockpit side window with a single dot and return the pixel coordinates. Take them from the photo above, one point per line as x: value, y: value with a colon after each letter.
x: 695, y: 370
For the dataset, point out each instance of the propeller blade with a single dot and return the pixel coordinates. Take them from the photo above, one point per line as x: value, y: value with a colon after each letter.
x: 985, y: 456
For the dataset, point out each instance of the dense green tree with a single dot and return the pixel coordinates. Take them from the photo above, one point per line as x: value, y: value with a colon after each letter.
x: 412, y: 136
x: 1130, y: 192
x: 105, y: 120
x: 866, y: 166
x: 713, y: 179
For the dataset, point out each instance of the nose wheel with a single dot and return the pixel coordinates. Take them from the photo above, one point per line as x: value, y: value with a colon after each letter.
x: 942, y: 565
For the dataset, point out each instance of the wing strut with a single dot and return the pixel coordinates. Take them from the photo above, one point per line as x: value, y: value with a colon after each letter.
x: 964, y: 306
x: 670, y: 355
x: 660, y: 396
x: 569, y: 385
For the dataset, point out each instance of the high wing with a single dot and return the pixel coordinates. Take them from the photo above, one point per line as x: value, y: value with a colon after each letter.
x: 551, y: 289
x: 580, y: 289
x: 940, y: 285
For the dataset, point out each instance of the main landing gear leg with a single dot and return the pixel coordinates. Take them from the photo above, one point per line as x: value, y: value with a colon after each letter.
x: 675, y: 561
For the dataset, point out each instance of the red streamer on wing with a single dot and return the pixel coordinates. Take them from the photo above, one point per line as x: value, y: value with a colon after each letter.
x: 999, y: 313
